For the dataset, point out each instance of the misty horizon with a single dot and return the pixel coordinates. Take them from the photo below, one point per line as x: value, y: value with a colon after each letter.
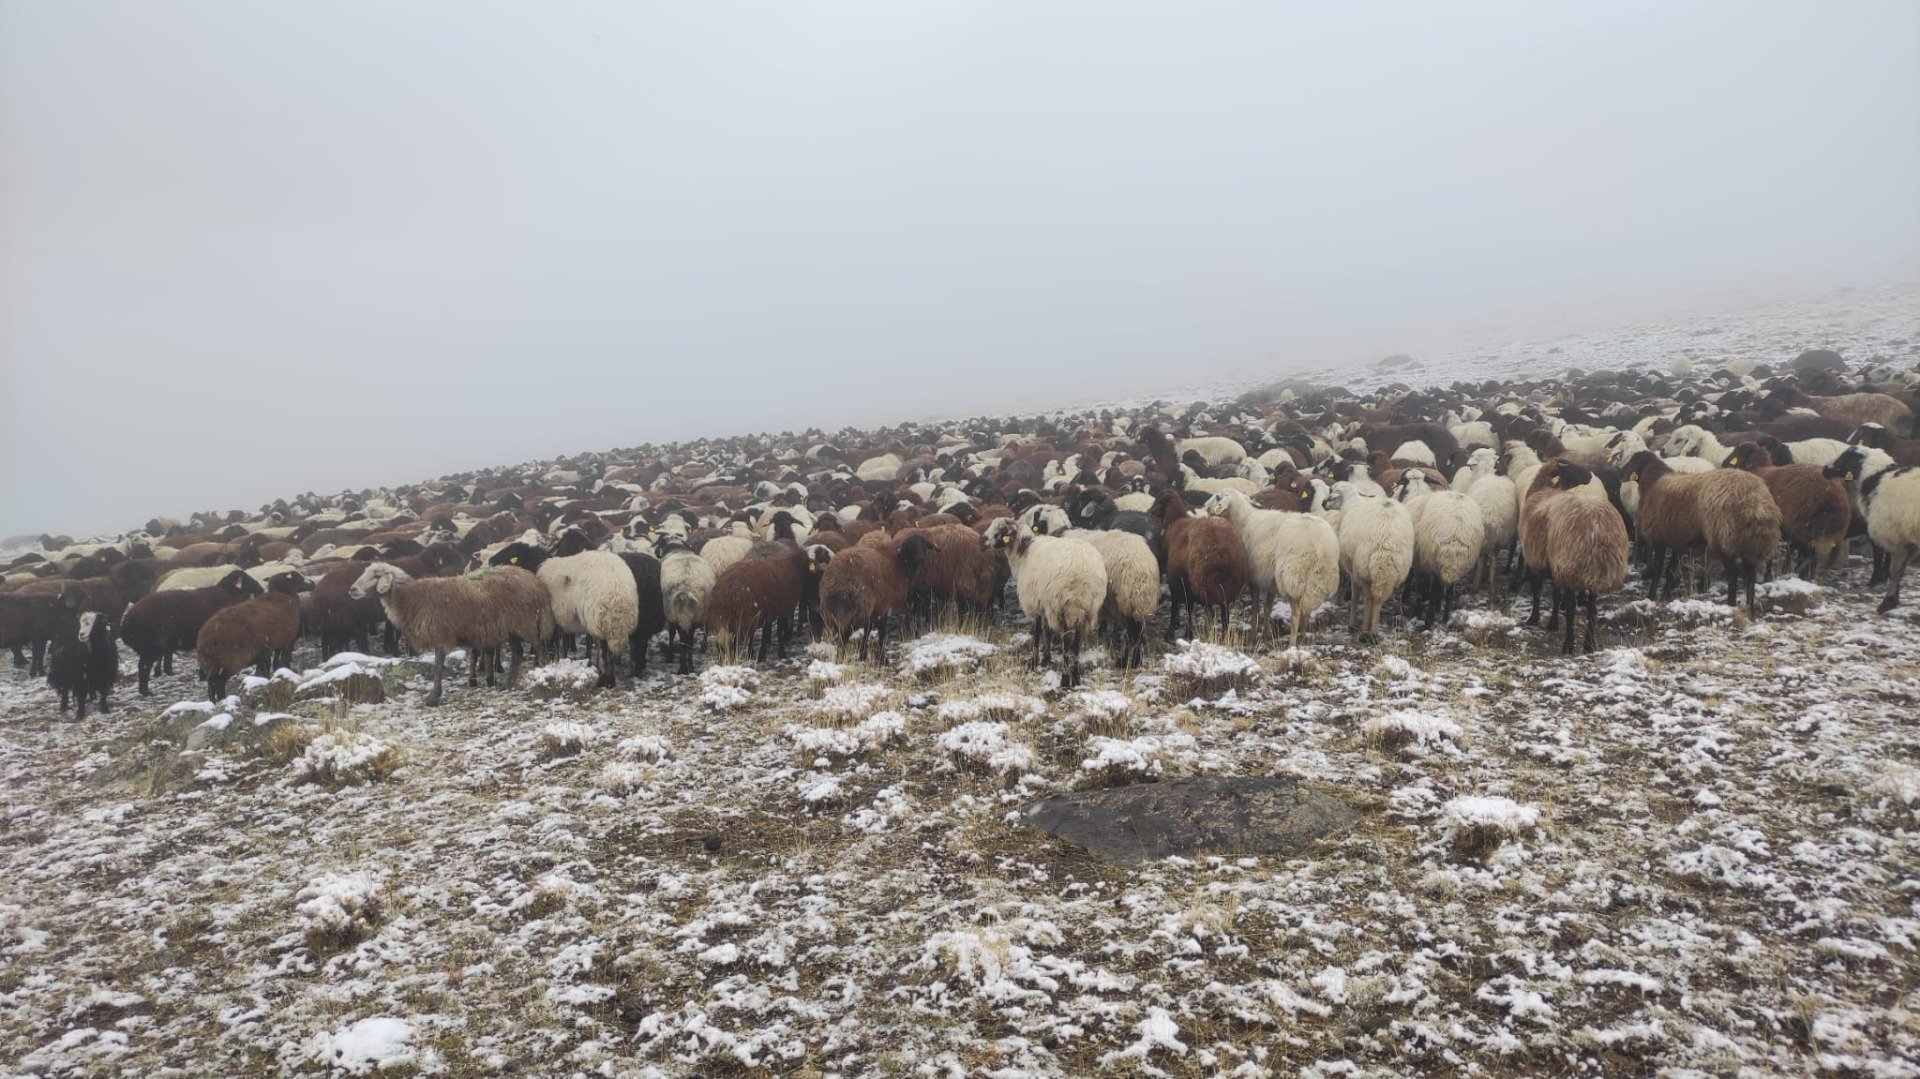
x: 249, y: 252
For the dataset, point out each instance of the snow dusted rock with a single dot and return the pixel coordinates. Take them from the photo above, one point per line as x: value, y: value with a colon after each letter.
x: 367, y: 1046
x: 1208, y: 815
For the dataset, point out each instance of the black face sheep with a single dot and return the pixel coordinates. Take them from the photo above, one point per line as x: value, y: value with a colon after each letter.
x: 865, y: 583
x: 1815, y: 511
x: 1587, y: 547
x: 1889, y: 501
x: 1731, y: 512
x: 259, y: 630
x: 85, y: 662
x: 162, y: 623
x: 1061, y: 584
x: 1206, y: 562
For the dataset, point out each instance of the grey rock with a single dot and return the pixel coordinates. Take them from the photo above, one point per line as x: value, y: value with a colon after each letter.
x: 1209, y: 815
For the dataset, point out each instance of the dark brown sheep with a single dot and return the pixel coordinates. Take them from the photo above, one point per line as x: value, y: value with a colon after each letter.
x: 1815, y: 511
x: 760, y: 592
x: 867, y: 582
x: 259, y: 630
x: 1206, y: 561
x: 162, y: 623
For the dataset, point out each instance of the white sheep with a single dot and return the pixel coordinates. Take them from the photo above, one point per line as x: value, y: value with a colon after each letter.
x: 1260, y: 530
x: 1499, y: 502
x: 723, y: 551
x: 593, y: 593
x: 686, y: 588
x: 1061, y: 584
x: 1133, y: 586
x: 1213, y: 449
x: 1376, y: 549
x: 1306, y: 568
x: 1449, y: 536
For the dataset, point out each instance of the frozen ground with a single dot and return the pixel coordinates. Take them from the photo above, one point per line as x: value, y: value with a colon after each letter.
x: 1693, y: 853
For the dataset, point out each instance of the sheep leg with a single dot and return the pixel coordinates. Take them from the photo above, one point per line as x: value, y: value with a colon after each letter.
x: 439, y: 676
x: 1553, y: 620
x: 167, y: 660
x: 476, y: 659
x: 80, y: 705
x: 1753, y: 608
x: 1733, y: 581
x: 1072, y: 650
x: 146, y: 670
x: 103, y: 701
x: 19, y: 657
x: 1593, y: 616
x: 1896, y: 571
x: 63, y: 700
x: 1533, y: 616
x: 216, y: 685
x: 1573, y: 600
x: 513, y: 662
x: 786, y: 635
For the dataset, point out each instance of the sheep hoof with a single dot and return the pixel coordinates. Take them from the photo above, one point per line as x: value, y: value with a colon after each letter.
x: 1889, y: 604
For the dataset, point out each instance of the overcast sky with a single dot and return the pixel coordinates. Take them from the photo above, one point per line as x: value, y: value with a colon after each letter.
x: 248, y: 250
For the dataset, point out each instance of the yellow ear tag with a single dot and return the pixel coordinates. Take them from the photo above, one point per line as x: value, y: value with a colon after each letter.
x: 514, y: 561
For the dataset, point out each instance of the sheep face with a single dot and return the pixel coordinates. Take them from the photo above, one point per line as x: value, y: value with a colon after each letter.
x: 1000, y: 534
x: 1567, y: 475
x: 375, y: 580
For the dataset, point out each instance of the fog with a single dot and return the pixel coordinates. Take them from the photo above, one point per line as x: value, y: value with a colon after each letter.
x: 248, y: 250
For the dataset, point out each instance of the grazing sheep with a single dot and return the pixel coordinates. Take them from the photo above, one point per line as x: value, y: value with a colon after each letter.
x: 686, y: 588
x: 1061, y: 584
x: 1133, y: 587
x: 1449, y: 534
x: 865, y: 583
x: 258, y: 630
x: 84, y: 662
x: 1376, y: 549
x: 162, y: 623
x: 438, y: 614
x: 1586, y: 549
x: 1815, y: 510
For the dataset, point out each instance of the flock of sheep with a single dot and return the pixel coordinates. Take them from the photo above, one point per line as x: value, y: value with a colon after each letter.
x: 1296, y: 496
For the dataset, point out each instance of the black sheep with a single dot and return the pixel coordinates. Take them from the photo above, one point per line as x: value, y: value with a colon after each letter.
x: 85, y: 662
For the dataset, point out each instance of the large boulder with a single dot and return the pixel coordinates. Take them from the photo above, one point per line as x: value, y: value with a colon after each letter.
x: 1190, y: 817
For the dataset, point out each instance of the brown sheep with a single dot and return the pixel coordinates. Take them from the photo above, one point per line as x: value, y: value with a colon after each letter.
x: 1586, y: 545
x: 1206, y: 561
x: 1815, y: 511
x: 867, y: 582
x: 483, y: 610
x: 956, y: 568
x: 259, y: 630
x: 759, y: 592
x: 1728, y: 512
x: 162, y: 623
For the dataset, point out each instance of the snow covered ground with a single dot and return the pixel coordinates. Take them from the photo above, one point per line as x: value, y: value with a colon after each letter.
x: 1695, y: 853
